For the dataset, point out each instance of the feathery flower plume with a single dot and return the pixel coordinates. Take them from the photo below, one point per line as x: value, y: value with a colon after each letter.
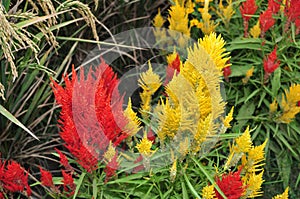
x: 266, y: 21
x: 284, y: 195
x: 255, y: 30
x: 13, y: 177
x: 247, y: 9
x: 231, y: 185
x: 46, y: 178
x: 271, y: 63
x: 90, y: 117
x: 292, y: 13
x: 289, y: 103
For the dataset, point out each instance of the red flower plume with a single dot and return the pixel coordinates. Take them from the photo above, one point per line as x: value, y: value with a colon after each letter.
x: 46, y: 178
x: 231, y: 185
x: 91, y: 114
x: 266, y: 21
x: 247, y: 9
x: 271, y: 63
x: 13, y: 177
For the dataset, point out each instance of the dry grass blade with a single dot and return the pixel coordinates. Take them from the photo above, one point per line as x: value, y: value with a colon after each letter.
x: 2, y: 91
x: 8, y: 33
x: 84, y: 11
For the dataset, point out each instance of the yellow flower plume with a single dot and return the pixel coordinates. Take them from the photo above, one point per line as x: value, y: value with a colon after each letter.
x: 144, y: 147
x: 214, y: 46
x: 289, y: 104
x: 228, y: 118
x: 133, y: 125
x: 284, y: 195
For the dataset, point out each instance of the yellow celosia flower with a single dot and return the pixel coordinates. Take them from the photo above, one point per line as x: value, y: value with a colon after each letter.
x: 201, y: 134
x: 255, y: 30
x: 158, y: 20
x: 284, y: 195
x: 243, y: 142
x: 189, y: 7
x: 289, y: 104
x: 144, y: 147
x: 110, y: 153
x: 273, y: 106
x: 149, y: 82
x: 214, y: 46
x: 168, y: 120
x: 226, y: 12
x: 208, y: 192
x: 178, y: 19
x: 207, y: 26
x: 257, y: 154
x: 228, y: 118
x: 253, y: 185
x: 249, y: 74
x: 133, y: 125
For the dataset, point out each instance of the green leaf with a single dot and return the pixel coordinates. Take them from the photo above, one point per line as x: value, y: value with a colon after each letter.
x: 12, y: 118
x: 78, y: 184
x: 244, y: 43
x: 245, y: 112
x: 194, y: 192
x: 276, y: 83
x: 95, y: 188
x: 239, y: 71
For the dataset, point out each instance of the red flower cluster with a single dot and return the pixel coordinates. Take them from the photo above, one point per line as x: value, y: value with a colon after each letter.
x: 292, y: 12
x: 231, y: 185
x: 226, y: 73
x: 46, y: 178
x: 173, y: 67
x: 266, y: 21
x: 13, y: 178
x: 247, y: 9
x: 67, y: 172
x: 91, y: 114
x: 271, y: 63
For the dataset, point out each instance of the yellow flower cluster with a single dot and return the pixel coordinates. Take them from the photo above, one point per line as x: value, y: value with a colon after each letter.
x: 252, y: 158
x: 289, y: 104
x: 150, y: 82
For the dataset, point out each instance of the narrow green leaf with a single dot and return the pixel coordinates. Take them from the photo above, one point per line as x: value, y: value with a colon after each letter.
x: 12, y: 118
x: 184, y: 191
x: 78, y: 184
x: 212, y: 181
x: 95, y: 188
x: 276, y: 83
x: 194, y: 192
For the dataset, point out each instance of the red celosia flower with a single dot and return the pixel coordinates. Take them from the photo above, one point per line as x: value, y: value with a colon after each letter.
x: 91, y: 114
x: 64, y: 161
x: 173, y: 68
x: 247, y: 9
x: 68, y: 181
x: 111, y: 167
x: 231, y: 185
x: 292, y: 10
x: 266, y: 21
x: 271, y: 63
x: 151, y: 136
x: 13, y: 177
x: 1, y: 196
x: 46, y: 178
x: 226, y: 71
x: 274, y: 6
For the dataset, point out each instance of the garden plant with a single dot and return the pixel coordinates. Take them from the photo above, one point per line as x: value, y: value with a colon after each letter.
x: 150, y: 99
